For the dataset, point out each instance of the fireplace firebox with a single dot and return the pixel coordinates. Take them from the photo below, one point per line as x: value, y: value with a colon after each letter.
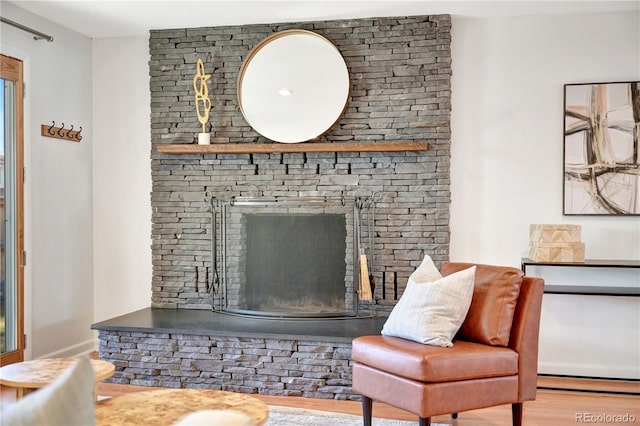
x: 289, y: 256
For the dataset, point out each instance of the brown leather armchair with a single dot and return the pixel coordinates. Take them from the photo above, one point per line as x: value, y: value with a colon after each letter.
x: 494, y: 359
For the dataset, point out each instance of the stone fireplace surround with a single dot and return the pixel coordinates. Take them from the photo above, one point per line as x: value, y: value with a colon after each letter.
x: 400, y: 71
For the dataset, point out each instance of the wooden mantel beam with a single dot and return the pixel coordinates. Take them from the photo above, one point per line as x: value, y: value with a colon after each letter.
x: 251, y: 148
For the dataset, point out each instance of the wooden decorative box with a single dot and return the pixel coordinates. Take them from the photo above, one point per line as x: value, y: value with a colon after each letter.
x: 556, y: 243
x: 555, y: 233
x: 556, y: 252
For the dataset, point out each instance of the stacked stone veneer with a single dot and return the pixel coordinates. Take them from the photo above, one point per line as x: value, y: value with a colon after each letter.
x: 238, y: 364
x: 400, y: 70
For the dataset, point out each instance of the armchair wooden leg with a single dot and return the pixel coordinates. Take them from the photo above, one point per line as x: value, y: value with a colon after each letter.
x: 367, y: 406
x: 425, y: 421
x: 516, y: 413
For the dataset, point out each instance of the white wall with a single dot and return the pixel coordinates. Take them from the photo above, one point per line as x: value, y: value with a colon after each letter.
x: 122, y: 176
x: 507, y: 124
x: 506, y: 170
x: 58, y: 188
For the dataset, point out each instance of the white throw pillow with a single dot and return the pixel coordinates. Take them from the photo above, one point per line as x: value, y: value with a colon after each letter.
x: 426, y: 272
x: 68, y: 400
x: 431, y: 312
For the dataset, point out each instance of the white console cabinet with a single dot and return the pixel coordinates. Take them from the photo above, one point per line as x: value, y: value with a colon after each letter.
x: 590, y: 323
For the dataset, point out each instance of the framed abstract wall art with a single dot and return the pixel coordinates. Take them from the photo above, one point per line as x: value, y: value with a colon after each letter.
x: 601, y: 168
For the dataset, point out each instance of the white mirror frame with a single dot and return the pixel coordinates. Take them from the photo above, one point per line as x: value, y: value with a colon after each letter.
x: 293, y: 86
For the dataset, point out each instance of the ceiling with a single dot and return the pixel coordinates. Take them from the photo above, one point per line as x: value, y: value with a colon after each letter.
x: 100, y: 19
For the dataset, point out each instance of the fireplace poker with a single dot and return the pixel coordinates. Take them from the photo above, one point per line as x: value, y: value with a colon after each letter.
x: 370, y: 231
x: 215, y: 280
x: 356, y: 219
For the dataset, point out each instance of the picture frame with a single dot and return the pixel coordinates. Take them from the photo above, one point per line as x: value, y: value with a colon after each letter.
x: 601, y: 169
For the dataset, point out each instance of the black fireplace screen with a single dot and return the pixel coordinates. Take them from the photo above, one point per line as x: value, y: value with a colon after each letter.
x: 295, y: 263
x: 288, y: 258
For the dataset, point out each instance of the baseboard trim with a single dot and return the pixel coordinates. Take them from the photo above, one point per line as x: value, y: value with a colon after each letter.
x: 591, y: 370
x: 602, y: 385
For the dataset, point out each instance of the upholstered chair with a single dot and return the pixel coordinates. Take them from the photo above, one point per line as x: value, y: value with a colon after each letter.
x: 493, y: 360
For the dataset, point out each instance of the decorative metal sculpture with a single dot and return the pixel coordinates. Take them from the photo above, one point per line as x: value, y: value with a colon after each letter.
x: 203, y: 103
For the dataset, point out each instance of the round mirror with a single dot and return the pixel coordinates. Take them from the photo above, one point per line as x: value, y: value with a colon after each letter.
x: 293, y: 86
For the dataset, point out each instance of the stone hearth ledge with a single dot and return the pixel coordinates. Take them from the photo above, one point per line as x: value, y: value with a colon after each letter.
x: 210, y: 350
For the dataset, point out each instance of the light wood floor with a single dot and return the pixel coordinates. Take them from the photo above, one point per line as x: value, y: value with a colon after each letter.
x: 549, y: 408
x: 552, y: 407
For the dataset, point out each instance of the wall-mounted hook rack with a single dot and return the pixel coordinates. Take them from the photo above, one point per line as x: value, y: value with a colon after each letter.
x: 51, y: 131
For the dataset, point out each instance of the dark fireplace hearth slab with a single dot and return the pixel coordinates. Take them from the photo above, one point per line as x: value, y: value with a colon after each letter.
x: 201, y: 322
x: 210, y: 350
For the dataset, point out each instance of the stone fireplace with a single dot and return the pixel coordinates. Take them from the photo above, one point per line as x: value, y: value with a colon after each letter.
x: 400, y: 70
